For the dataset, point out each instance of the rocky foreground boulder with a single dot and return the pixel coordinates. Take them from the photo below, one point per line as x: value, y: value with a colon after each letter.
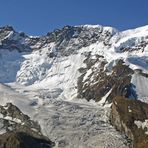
x: 23, y: 140
x: 17, y: 130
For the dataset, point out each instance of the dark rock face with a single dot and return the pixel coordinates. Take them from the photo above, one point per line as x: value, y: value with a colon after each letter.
x: 10, y: 39
x: 67, y: 40
x: 19, y: 131
x: 4, y: 31
x: 124, y: 114
x: 14, y: 119
x: 23, y: 140
x: 119, y: 80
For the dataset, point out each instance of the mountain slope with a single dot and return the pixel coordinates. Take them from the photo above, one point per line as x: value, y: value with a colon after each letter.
x: 47, y: 76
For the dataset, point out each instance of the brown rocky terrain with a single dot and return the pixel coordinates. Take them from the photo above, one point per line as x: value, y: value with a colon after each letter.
x: 23, y: 140
x: 119, y: 80
x: 19, y: 131
x: 124, y: 115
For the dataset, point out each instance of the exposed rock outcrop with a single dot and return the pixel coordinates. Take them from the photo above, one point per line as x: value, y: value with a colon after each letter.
x: 23, y: 140
x: 19, y: 131
x: 130, y: 118
x: 100, y: 81
x: 67, y: 40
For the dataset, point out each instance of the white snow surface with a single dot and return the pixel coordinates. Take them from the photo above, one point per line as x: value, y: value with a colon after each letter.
x: 46, y: 89
x: 141, y: 86
x: 71, y: 124
x: 143, y: 125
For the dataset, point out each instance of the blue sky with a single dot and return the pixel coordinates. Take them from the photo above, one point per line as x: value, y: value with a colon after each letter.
x: 37, y: 17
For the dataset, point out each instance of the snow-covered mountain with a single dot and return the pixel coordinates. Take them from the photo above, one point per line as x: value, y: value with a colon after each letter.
x: 49, y: 78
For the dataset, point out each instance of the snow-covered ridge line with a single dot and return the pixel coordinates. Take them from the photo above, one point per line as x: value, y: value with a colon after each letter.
x: 127, y: 32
